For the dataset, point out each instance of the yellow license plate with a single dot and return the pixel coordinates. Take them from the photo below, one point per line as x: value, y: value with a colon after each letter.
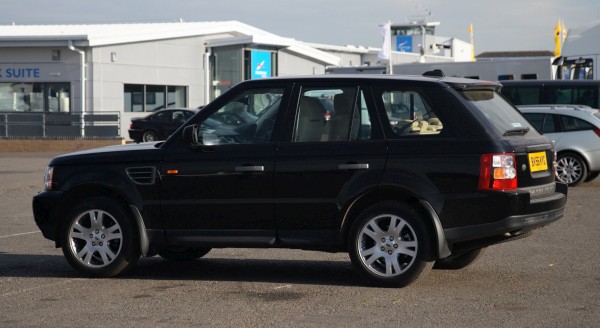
x: 538, y: 162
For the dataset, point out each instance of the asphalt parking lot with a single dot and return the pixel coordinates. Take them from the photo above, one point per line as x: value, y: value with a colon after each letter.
x: 550, y: 279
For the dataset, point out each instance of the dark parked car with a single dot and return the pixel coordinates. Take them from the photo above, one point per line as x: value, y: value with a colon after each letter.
x: 563, y: 92
x: 159, y: 125
x: 462, y: 169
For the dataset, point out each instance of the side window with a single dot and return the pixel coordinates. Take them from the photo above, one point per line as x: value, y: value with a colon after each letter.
x: 248, y: 118
x: 574, y: 124
x: 332, y: 114
x: 580, y: 95
x: 162, y: 116
x: 549, y: 126
x: 522, y: 95
x: 188, y: 115
x: 410, y: 114
x: 543, y: 122
x: 178, y: 117
x: 536, y: 119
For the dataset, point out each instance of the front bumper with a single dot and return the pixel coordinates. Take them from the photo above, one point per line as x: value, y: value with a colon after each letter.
x: 45, y: 206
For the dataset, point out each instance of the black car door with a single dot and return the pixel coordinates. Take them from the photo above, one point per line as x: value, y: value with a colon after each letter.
x: 220, y: 189
x: 333, y: 152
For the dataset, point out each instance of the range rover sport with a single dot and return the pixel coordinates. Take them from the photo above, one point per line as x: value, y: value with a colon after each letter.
x: 405, y: 173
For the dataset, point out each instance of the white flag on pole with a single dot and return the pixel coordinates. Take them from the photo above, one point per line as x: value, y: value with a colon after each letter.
x: 386, y: 48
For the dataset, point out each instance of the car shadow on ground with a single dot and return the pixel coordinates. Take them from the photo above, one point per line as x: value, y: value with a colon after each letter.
x: 250, y: 270
x: 314, y: 272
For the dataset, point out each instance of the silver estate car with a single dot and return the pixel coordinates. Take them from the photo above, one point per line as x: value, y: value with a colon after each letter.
x: 575, y: 130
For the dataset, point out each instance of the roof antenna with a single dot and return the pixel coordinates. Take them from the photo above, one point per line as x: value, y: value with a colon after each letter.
x: 180, y: 20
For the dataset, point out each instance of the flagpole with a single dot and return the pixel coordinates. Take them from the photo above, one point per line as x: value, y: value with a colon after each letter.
x: 390, y: 64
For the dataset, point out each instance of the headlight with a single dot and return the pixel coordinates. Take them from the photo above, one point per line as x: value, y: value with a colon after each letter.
x: 48, y: 177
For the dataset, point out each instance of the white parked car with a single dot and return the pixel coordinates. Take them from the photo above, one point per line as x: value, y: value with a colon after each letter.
x: 575, y: 130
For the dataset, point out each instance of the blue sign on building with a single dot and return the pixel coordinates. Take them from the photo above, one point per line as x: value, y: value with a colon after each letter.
x: 260, y: 64
x: 404, y: 43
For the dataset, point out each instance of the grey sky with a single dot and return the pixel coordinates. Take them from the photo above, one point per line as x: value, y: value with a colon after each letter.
x: 498, y: 25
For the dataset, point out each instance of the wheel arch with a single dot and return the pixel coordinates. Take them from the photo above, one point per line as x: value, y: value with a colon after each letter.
x: 91, y: 190
x: 577, y: 152
x: 584, y: 157
x: 432, y: 221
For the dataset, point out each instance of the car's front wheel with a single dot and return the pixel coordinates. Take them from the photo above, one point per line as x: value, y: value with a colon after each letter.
x: 99, y: 239
x: 571, y: 169
x: 389, y: 244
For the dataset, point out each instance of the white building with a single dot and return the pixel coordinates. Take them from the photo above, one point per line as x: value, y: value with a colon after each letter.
x: 131, y: 69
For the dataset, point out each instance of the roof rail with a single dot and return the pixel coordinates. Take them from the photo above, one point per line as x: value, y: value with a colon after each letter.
x: 435, y: 73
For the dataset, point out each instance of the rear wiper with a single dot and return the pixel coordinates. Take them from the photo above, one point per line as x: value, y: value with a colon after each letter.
x: 517, y: 131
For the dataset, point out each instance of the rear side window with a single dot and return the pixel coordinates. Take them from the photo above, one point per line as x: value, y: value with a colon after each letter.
x: 570, y: 123
x: 498, y: 111
x: 410, y: 114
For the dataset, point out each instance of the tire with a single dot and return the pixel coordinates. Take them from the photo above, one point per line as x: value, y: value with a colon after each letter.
x: 389, y: 244
x: 571, y: 169
x: 458, y: 261
x: 592, y: 176
x: 149, y: 136
x: 99, y: 239
x: 180, y: 254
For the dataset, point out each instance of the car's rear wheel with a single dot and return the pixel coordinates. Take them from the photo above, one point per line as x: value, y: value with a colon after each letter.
x: 98, y: 238
x: 571, y: 169
x: 149, y: 136
x: 179, y: 254
x: 458, y: 261
x: 390, y: 245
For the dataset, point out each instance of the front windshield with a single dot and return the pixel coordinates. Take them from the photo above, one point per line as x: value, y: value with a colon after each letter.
x: 248, y: 118
x: 498, y: 111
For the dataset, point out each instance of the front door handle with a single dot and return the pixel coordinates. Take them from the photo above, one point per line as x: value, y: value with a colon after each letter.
x: 353, y: 166
x: 250, y: 168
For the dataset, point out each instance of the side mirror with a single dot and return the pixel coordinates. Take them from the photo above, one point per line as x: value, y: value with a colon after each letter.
x: 190, y: 135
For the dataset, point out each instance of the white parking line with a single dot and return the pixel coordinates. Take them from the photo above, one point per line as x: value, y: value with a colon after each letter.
x: 284, y: 286
x: 20, y: 234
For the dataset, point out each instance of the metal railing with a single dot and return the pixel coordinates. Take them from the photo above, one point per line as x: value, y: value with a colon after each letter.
x: 48, y: 125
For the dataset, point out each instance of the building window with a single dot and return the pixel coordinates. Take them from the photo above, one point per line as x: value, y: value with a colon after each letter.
x: 55, y: 54
x: 150, y: 98
x: 35, y: 97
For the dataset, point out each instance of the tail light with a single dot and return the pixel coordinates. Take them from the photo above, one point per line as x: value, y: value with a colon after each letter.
x: 498, y: 172
x: 597, y: 132
x: 131, y: 125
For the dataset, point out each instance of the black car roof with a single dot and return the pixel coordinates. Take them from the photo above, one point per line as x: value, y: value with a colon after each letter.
x: 551, y: 82
x: 439, y: 81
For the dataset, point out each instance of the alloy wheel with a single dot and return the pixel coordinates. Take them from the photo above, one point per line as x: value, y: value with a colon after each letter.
x: 95, y: 238
x: 387, y: 245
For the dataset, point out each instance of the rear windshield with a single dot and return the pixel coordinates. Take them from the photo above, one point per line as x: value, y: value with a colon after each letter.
x: 499, y: 112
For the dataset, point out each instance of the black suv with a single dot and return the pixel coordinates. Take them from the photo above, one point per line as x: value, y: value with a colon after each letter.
x: 405, y: 173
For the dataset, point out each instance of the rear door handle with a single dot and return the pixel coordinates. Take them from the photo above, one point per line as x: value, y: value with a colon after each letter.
x: 353, y: 166
x: 250, y: 168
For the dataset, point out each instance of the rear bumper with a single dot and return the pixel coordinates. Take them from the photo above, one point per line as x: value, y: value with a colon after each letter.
x: 519, y: 214
x: 135, y: 134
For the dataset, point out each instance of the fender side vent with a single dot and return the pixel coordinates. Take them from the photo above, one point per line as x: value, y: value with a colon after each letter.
x: 142, y: 175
